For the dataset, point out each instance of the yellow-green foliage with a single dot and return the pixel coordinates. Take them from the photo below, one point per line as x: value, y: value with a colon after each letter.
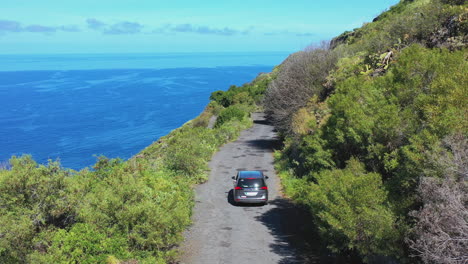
x: 302, y: 121
x: 405, y: 23
x: 388, y: 123
x: 242, y: 98
x: 393, y: 101
x: 83, y: 243
x: 347, y: 67
x: 234, y: 112
x: 32, y: 197
x: 293, y: 187
x: 350, y: 205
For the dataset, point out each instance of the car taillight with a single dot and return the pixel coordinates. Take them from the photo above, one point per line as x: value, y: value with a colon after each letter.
x: 238, y: 188
x: 264, y: 188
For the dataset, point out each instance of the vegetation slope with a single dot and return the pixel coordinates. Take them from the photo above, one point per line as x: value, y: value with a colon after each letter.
x: 375, y: 134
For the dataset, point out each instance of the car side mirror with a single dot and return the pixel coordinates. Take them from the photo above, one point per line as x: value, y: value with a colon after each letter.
x: 233, y: 177
x: 266, y: 177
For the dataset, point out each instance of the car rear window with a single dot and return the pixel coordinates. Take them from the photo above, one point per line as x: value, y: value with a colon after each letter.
x: 250, y: 183
x: 251, y: 174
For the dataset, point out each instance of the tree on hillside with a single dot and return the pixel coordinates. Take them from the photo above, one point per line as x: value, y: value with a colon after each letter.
x: 301, y: 76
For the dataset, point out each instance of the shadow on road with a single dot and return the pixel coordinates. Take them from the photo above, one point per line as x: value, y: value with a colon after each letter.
x: 292, y: 227
x: 262, y: 122
x: 264, y: 144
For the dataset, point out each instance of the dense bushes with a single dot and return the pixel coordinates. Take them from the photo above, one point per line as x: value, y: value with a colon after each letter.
x: 390, y: 103
x: 406, y: 23
x: 351, y: 206
x: 187, y: 157
x: 119, y: 211
x: 388, y: 123
x: 125, y: 210
x: 83, y: 243
x: 234, y: 112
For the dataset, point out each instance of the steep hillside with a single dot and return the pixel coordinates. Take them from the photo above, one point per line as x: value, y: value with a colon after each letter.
x: 375, y: 134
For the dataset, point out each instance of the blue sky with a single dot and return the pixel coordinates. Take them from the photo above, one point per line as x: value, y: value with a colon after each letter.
x: 114, y: 26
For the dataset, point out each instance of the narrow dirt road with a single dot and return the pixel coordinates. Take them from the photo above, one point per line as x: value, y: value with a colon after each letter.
x: 224, y: 233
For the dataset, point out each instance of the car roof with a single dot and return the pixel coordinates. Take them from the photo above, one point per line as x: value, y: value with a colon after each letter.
x: 250, y: 174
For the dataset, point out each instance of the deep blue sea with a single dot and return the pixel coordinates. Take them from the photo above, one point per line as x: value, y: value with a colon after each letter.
x: 74, y: 107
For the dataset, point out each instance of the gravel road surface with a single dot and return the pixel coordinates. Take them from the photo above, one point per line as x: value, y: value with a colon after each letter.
x: 225, y: 233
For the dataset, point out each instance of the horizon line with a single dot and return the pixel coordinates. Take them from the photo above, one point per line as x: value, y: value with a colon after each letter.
x: 142, y: 53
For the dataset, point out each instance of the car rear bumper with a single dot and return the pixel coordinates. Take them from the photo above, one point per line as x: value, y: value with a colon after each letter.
x: 250, y: 200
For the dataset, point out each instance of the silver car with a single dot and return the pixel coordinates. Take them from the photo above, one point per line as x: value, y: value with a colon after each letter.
x: 250, y: 187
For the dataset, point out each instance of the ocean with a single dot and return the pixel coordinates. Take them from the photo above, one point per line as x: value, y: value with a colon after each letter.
x: 79, y: 106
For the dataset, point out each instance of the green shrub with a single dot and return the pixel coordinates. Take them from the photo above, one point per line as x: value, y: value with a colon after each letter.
x: 351, y: 206
x: 312, y: 155
x: 234, y: 112
x: 221, y: 97
x: 215, y: 108
x: 136, y: 204
x: 17, y: 233
x: 82, y: 244
x: 242, y: 98
x: 32, y: 198
x: 405, y: 23
x: 231, y: 130
x: 189, y: 151
x: 40, y: 189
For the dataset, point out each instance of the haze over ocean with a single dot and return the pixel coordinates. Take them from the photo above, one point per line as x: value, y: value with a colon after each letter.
x: 73, y: 107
